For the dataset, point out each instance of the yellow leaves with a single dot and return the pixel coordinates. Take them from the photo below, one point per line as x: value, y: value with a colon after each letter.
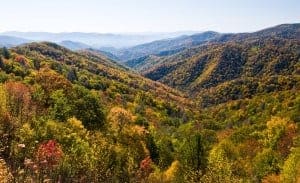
x: 276, y: 127
x: 291, y: 168
x: 119, y: 118
x: 166, y: 176
x: 172, y: 171
x: 3, y: 101
x: 220, y: 162
x: 140, y: 130
x: 5, y: 175
x: 75, y: 123
x: 26, y: 133
x: 276, y: 122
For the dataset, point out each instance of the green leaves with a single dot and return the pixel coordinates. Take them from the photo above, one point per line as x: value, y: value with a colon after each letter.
x: 266, y: 162
x: 291, y: 167
x: 61, y: 108
x: 87, y: 107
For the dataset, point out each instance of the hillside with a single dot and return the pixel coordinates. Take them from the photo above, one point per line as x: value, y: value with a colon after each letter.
x: 52, y: 91
x: 97, y: 66
x: 247, y: 60
x: 187, y: 44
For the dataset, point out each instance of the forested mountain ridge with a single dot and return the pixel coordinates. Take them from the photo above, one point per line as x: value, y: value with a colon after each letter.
x: 250, y: 62
x: 141, y: 64
x: 103, y: 70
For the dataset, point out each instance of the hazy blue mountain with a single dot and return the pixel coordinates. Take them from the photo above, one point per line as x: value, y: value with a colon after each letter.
x: 9, y: 41
x: 165, y: 46
x: 107, y: 54
x: 74, y: 45
x: 97, y: 39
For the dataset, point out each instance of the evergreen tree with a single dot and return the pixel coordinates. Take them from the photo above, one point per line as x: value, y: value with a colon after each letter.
x: 5, y: 53
x: 1, y: 63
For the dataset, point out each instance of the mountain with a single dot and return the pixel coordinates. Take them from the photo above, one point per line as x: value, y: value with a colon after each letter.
x: 93, y: 70
x: 9, y: 41
x: 96, y: 40
x: 74, y: 45
x: 166, y: 46
x: 108, y: 54
x: 83, y: 97
x: 285, y: 31
x: 251, y: 61
x: 143, y: 57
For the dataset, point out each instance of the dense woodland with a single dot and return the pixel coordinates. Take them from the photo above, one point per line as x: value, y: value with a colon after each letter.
x: 80, y: 117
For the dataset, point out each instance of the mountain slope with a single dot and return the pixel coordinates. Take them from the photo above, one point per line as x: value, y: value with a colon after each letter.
x: 91, y: 112
x: 141, y: 64
x: 247, y: 60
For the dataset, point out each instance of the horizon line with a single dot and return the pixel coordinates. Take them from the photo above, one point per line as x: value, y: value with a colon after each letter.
x: 145, y: 32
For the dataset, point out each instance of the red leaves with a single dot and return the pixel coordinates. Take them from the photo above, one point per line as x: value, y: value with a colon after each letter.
x: 49, y: 154
x: 146, y: 166
x: 21, y: 59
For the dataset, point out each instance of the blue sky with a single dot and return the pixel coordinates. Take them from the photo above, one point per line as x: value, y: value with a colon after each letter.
x: 146, y: 15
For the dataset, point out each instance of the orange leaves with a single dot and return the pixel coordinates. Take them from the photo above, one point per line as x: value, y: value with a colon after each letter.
x: 18, y: 91
x: 21, y: 59
x: 285, y: 143
x: 18, y: 99
x: 51, y: 81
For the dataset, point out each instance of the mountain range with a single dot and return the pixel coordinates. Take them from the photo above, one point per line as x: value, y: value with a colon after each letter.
x: 247, y: 60
x: 95, y: 40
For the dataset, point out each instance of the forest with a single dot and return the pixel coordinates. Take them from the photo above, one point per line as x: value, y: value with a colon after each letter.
x: 227, y: 112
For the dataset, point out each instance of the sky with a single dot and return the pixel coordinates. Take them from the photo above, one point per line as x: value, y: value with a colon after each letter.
x: 120, y: 16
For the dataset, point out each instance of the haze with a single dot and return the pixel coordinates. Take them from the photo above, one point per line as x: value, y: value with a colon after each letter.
x: 145, y: 16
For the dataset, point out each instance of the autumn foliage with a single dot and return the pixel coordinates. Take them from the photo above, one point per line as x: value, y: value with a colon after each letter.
x: 49, y: 154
